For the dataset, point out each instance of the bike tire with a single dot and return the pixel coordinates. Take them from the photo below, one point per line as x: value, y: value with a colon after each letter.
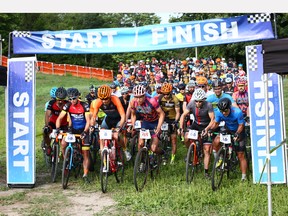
x: 105, y: 168
x: 120, y: 165
x: 140, y: 172
x: 66, y: 167
x: 134, y: 146
x: 218, y: 170
x: 155, y: 170
x: 233, y: 166
x: 190, y: 166
x: 94, y: 151
x: 54, y: 161
x: 45, y: 156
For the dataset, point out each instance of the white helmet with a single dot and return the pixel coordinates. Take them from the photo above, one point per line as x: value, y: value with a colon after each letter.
x: 124, y: 89
x: 139, y: 90
x: 228, y: 80
x: 191, y: 83
x: 199, y: 94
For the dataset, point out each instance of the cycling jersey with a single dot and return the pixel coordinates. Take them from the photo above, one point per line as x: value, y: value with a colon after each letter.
x: 77, y: 114
x: 242, y: 101
x: 229, y: 91
x: 55, y: 111
x: 125, y: 105
x: 232, y: 121
x: 147, y: 110
x: 214, y: 99
x: 168, y: 106
x: 89, y: 98
x: 188, y: 97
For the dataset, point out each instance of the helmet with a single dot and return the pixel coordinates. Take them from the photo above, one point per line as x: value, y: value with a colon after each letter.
x: 191, y: 83
x: 139, y: 90
x: 158, y: 86
x: 228, y: 80
x: 224, y: 103
x: 104, y: 92
x: 124, y: 90
x: 61, y: 93
x: 181, y: 86
x: 217, y: 83
x: 202, y: 81
x: 92, y: 88
x: 52, y: 92
x: 113, y: 86
x: 166, y: 88
x: 241, y: 81
x: 72, y: 92
x: 199, y: 94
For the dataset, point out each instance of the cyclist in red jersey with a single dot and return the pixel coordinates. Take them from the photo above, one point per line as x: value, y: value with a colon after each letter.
x: 78, y: 112
x: 190, y: 87
x: 152, y: 114
x: 53, y: 110
x: 241, y: 96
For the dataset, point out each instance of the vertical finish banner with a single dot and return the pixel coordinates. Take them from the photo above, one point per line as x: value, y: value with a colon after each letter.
x: 20, y: 127
x: 254, y: 59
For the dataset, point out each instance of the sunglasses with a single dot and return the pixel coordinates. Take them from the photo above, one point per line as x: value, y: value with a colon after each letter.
x: 72, y: 98
x: 201, y: 86
x: 226, y: 110
x: 105, y: 99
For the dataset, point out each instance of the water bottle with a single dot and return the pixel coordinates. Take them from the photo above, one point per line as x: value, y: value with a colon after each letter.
x: 113, y: 153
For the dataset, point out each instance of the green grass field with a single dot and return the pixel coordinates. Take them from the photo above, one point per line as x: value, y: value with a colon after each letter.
x: 168, y: 194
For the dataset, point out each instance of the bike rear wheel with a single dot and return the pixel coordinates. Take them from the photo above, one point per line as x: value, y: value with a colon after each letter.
x: 104, y: 169
x: 218, y: 168
x: 54, y: 161
x: 141, y: 169
x: 119, y: 174
x: 66, y: 167
x: 190, y: 166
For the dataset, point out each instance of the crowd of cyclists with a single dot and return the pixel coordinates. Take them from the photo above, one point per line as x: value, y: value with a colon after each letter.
x: 193, y: 93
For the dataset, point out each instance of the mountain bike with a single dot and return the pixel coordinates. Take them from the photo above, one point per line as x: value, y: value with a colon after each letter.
x: 226, y: 160
x: 165, y: 142
x: 132, y: 138
x: 55, y: 154
x: 194, y: 158
x: 73, y: 159
x: 146, y: 161
x: 112, y: 159
x: 94, y: 146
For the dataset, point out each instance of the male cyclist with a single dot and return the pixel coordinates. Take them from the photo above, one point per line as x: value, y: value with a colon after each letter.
x: 234, y: 122
x: 171, y: 107
x: 241, y: 96
x: 91, y: 95
x: 78, y: 112
x: 151, y: 113
x: 203, y: 115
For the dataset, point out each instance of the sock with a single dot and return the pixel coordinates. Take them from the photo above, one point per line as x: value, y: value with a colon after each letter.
x: 86, y: 172
x: 243, y: 176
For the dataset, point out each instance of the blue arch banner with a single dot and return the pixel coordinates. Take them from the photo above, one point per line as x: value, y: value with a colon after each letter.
x: 145, y: 38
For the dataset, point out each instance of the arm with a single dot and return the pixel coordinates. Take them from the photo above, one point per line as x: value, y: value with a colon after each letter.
x: 87, y: 117
x: 160, y: 120
x: 59, y: 119
x: 184, y: 114
x: 177, y: 114
x: 47, y: 117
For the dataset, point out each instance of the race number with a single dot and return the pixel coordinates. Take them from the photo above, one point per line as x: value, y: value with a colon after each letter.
x: 225, y: 138
x: 192, y: 117
x: 70, y: 138
x: 105, y: 134
x: 145, y: 134
x: 193, y: 134
x: 164, y: 126
x: 137, y: 124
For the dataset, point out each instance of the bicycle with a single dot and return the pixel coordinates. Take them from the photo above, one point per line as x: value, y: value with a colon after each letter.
x: 55, y: 154
x: 112, y: 159
x: 73, y: 159
x: 194, y: 158
x: 226, y: 159
x: 145, y: 161
x: 132, y: 139
x: 165, y: 142
x: 94, y: 146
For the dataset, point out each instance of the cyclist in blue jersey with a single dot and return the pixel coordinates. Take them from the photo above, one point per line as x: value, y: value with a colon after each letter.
x: 79, y: 123
x: 234, y: 122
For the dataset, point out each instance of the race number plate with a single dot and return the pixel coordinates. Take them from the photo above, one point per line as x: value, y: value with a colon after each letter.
x: 105, y: 134
x: 225, y: 138
x: 145, y: 134
x: 164, y: 126
x: 192, y: 117
x: 193, y: 134
x: 137, y: 124
x: 70, y: 138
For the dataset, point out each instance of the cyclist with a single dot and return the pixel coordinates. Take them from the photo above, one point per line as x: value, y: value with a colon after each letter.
x: 171, y: 107
x: 152, y: 115
x: 79, y: 123
x: 54, y: 108
x: 229, y: 88
x: 180, y: 96
x: 234, y: 122
x: 52, y: 95
x: 190, y: 90
x: 91, y: 95
x: 203, y: 114
x: 241, y: 97
x: 115, y: 114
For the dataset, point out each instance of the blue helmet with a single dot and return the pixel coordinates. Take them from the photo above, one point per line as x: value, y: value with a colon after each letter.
x: 52, y: 92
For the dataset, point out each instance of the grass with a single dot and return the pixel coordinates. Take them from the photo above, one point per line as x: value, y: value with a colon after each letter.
x: 168, y: 194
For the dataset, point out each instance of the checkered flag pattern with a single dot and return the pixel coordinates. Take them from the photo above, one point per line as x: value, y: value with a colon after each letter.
x: 252, y: 58
x: 21, y: 34
x: 256, y: 18
x: 28, y: 71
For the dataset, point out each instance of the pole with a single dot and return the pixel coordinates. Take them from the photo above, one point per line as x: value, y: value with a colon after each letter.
x: 268, y: 166
x: 0, y: 50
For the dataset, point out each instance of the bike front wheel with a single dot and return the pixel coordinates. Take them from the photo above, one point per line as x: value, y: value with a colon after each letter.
x: 218, y: 168
x: 104, y: 169
x: 54, y: 161
x: 141, y: 169
x: 190, y: 166
x: 66, y: 167
x: 119, y: 174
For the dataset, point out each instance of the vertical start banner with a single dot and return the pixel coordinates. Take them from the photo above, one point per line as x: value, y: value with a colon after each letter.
x: 254, y: 59
x: 20, y: 127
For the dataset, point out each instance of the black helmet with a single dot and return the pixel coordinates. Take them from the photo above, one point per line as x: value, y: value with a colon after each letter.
x: 224, y: 104
x: 181, y: 86
x: 92, y: 88
x: 61, y: 93
x: 217, y: 83
x: 73, y: 92
x: 113, y: 86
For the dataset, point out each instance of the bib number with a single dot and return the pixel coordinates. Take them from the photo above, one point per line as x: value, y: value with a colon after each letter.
x: 164, y: 126
x: 226, y: 139
x: 145, y: 134
x: 105, y: 134
x: 193, y: 134
x: 137, y: 124
x: 70, y: 138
